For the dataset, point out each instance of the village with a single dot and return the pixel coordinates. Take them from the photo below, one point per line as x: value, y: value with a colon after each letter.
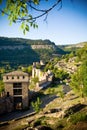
x: 17, y: 93
x: 15, y: 101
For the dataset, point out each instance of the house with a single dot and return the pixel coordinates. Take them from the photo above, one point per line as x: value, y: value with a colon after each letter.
x: 16, y: 86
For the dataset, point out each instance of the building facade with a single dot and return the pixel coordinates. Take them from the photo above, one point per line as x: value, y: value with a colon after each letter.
x: 16, y: 86
x: 45, y: 78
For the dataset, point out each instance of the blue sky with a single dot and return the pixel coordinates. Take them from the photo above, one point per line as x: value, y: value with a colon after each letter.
x: 67, y: 26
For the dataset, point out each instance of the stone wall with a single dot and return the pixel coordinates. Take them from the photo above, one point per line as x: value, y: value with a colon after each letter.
x: 25, y: 96
x: 9, y: 88
x: 15, y: 78
x: 6, y: 105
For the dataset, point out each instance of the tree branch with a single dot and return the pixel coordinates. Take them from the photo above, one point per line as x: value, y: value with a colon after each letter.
x: 44, y: 12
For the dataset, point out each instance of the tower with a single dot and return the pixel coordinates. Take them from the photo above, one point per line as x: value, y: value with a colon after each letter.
x: 16, y: 86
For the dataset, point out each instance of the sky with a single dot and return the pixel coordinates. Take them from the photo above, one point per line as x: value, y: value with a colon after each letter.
x: 65, y: 26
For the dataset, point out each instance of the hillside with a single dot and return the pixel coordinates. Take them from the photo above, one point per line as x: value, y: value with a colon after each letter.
x: 18, y: 51
x: 73, y: 47
x: 63, y: 104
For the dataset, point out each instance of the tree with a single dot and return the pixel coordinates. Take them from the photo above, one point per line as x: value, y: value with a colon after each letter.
x: 1, y: 86
x: 61, y: 94
x: 82, y: 53
x: 60, y: 74
x: 36, y: 105
x: 79, y: 80
x: 19, y: 11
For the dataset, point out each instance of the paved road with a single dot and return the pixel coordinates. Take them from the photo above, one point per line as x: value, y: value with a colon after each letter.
x: 14, y: 115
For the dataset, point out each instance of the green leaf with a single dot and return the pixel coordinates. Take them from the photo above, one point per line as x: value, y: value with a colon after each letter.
x: 22, y: 25
x: 24, y: 31
x: 10, y: 23
x: 0, y: 1
x: 36, y: 2
x: 3, y: 13
x: 27, y: 27
x: 30, y: 17
x: 36, y: 26
x: 31, y: 24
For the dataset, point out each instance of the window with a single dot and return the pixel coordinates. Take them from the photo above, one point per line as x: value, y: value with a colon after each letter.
x: 7, y: 94
x: 17, y: 91
x: 23, y: 77
x: 17, y: 77
x: 17, y: 85
x: 7, y: 77
x: 12, y: 77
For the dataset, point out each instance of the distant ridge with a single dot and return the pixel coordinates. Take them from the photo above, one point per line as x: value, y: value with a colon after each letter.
x: 72, y: 47
x: 19, y: 51
x: 78, y: 45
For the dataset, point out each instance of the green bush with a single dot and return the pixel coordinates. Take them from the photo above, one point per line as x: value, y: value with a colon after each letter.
x: 78, y: 117
x: 37, y: 123
x: 37, y: 105
x: 40, y: 121
x: 60, y: 125
x: 1, y: 86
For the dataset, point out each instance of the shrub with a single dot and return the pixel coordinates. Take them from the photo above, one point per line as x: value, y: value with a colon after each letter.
x: 78, y: 117
x: 37, y: 105
x: 37, y: 123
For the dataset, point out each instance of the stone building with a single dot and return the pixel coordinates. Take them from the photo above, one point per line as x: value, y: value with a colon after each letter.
x: 45, y: 78
x: 38, y: 72
x: 16, y: 86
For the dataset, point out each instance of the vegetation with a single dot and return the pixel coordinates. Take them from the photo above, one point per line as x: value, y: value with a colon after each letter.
x: 33, y: 82
x: 79, y: 79
x: 37, y: 105
x: 61, y: 94
x: 19, y: 52
x: 77, y: 117
x: 78, y: 83
x: 1, y: 86
x: 19, y: 11
x: 16, y: 52
x: 59, y: 74
x: 72, y: 48
x: 27, y: 69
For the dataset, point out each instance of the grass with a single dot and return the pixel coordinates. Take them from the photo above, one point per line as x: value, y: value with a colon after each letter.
x: 39, y: 121
x: 72, y: 122
x: 59, y: 125
x: 53, y: 90
x: 55, y: 123
x: 21, y: 127
x: 77, y: 117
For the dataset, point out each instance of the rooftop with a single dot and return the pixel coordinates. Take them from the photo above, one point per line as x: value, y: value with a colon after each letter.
x: 18, y: 73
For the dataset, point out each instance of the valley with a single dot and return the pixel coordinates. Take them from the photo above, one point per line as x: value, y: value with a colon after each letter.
x: 57, y: 85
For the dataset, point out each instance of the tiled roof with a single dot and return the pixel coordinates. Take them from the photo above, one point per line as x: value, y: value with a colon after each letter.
x: 16, y: 73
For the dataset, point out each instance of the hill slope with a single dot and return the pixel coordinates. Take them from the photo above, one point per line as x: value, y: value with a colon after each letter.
x: 18, y: 51
x: 73, y: 47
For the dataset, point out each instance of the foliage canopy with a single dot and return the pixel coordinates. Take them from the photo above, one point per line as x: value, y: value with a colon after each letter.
x: 20, y: 11
x: 79, y: 79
